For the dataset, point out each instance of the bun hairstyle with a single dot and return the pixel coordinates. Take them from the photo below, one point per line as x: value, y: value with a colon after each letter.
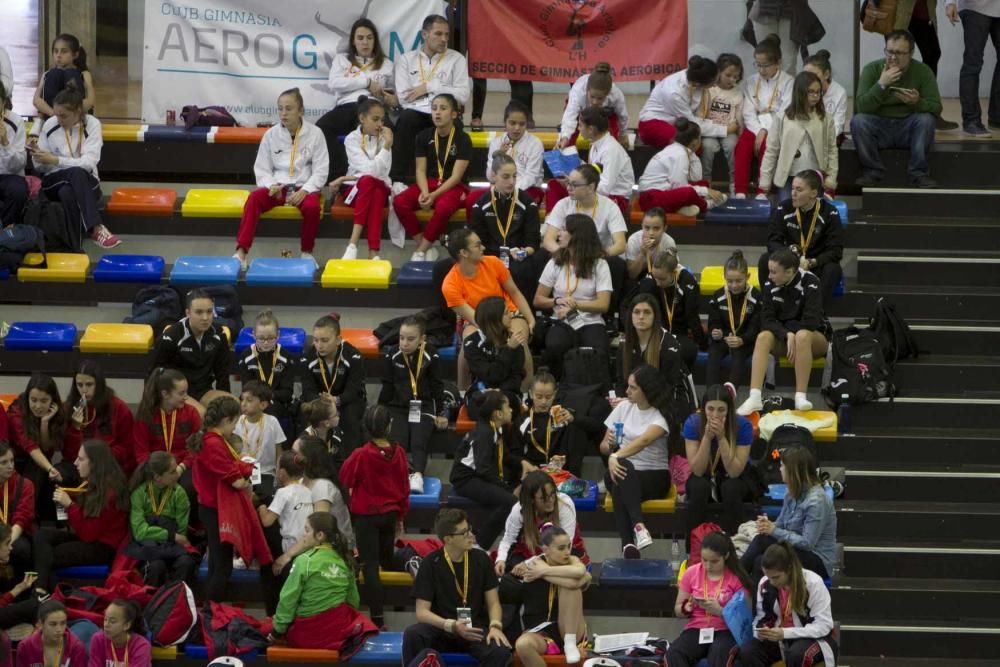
x: 769, y: 47
x: 449, y: 98
x: 218, y: 411
x: 821, y: 60
x: 329, y: 322
x: 550, y: 534
x: 666, y: 261
x: 727, y: 60
x: 366, y: 103
x: 737, y: 262
x: 516, y: 106
x: 316, y: 412
x: 79, y: 53
x: 702, y: 71
x: 314, y: 458
x: 785, y: 258
x: 376, y: 422
x: 133, y: 616
x: 291, y: 463
x: 416, y: 321
x: 71, y: 99
x: 266, y: 318
x: 489, y: 402
x: 499, y: 160
x: 591, y: 175
x: 599, y: 80
x: 595, y: 117
x: 197, y: 293
x: 543, y: 376
x: 687, y: 132
x: 297, y: 95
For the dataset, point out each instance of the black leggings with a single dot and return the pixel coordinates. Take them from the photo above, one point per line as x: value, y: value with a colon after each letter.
x: 414, y: 438
x: 561, y: 338
x: 628, y: 494
x: 686, y: 651
x: 158, y: 572
x: 496, y: 499
x: 24, y: 610
x: 738, y: 366
x: 757, y: 653
x: 56, y: 548
x: 732, y: 492
x: 522, y: 91
x: 220, y: 556
x: 751, y: 558
x: 376, y: 534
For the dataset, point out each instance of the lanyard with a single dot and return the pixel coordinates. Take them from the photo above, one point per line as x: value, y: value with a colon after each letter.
x: 498, y: 441
x: 548, y: 441
x: 733, y: 325
x: 89, y: 415
x: 232, y: 452
x: 260, y: 367
x: 668, y: 304
x: 158, y: 509
x: 168, y: 436
x: 806, y: 239
x: 702, y: 105
x: 3, y: 517
x: 463, y: 590
x: 420, y: 61
x: 705, y: 589
x: 690, y: 155
x: 336, y: 370
x: 295, y: 148
x: 447, y: 151
x: 593, y: 213
x: 513, y: 148
x: 79, y: 142
x: 576, y: 285
x: 260, y: 433
x: 73, y: 490
x: 364, y: 148
x: 414, y: 376
x: 552, y: 599
x: 774, y: 93
x: 351, y: 72
x: 59, y: 653
x: 114, y: 653
x: 786, y: 610
x: 510, y: 213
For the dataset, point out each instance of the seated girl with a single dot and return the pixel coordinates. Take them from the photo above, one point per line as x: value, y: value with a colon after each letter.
x: 807, y: 522
x: 93, y: 411
x: 122, y: 641
x: 552, y: 594
x: 725, y: 108
x: 717, y: 446
x: 547, y: 433
x: 636, y: 446
x: 576, y: 286
x: 320, y: 477
x: 494, y: 353
x: 18, y: 512
x: 69, y: 71
x: 608, y: 155
x: 647, y: 343
x: 733, y: 323
x: 267, y: 361
x: 486, y: 470
x: 441, y: 189
x: 584, y: 198
x: 684, y: 94
x: 793, y: 620
x: 673, y: 179
x: 17, y: 604
x: 369, y: 158
x: 792, y: 325
x: 594, y: 90
x: 51, y: 643
x: 291, y: 506
x: 319, y: 602
x: 97, y: 512
x: 158, y: 517
x: 676, y: 291
x: 13, y: 156
x: 703, y: 592
x: 322, y: 420
x: 834, y: 95
x: 290, y: 170
x: 539, y: 506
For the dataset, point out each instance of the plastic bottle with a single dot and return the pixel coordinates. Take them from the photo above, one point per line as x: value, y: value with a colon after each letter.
x: 675, y: 556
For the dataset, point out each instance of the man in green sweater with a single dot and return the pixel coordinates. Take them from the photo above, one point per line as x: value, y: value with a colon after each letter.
x: 895, y: 106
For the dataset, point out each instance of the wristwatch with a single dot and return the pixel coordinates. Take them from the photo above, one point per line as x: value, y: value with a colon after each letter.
x: 496, y: 624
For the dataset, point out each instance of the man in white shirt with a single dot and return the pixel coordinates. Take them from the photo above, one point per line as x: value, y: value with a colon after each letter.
x: 980, y: 20
x: 420, y: 75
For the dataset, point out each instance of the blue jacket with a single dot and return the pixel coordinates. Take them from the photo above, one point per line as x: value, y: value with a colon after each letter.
x: 810, y: 523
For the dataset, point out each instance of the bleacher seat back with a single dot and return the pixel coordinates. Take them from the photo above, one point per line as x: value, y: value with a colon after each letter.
x: 41, y: 336
x: 114, y: 338
x: 357, y: 273
x: 281, y: 272
x: 841, y: 207
x: 214, y: 203
x: 416, y: 274
x: 205, y: 270
x: 431, y: 497
x: 61, y: 267
x: 291, y: 339
x: 142, y: 201
x: 636, y: 573
x: 129, y: 269
x: 740, y: 212
x: 713, y: 278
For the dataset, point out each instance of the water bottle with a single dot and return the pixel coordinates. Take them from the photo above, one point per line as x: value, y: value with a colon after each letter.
x: 675, y: 556
x: 619, y: 435
x: 297, y: 389
x: 844, y: 418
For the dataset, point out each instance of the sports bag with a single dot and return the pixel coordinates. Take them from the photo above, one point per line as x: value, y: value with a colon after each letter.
x: 16, y: 241
x: 697, y: 535
x: 171, y: 615
x: 859, y: 372
x: 158, y: 306
x: 587, y: 366
x: 893, y: 333
x: 211, y: 116
x: 61, y: 233
x: 784, y: 437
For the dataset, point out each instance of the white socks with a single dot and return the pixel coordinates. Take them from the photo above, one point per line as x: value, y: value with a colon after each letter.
x: 570, y: 649
x: 755, y: 403
x: 801, y: 402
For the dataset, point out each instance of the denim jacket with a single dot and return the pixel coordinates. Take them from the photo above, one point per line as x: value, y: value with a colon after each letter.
x: 810, y: 523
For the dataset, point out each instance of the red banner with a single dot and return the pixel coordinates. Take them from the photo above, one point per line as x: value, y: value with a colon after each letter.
x: 561, y: 40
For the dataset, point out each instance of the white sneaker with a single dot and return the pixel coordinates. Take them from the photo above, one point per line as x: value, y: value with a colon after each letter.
x: 739, y: 195
x: 802, y: 403
x: 376, y: 258
x: 243, y: 261
x: 712, y: 203
x: 418, y: 256
x: 750, y: 406
x: 690, y: 211
x: 308, y: 255
x: 761, y: 197
x: 642, y: 537
x: 570, y: 650
x: 238, y: 564
x: 432, y: 254
x: 416, y: 483
x: 351, y: 252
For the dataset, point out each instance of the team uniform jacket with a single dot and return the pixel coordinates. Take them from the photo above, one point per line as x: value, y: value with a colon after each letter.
x: 346, y: 375
x: 13, y: 156
x: 817, y: 623
x: 617, y: 176
x: 673, y: 167
x: 718, y: 314
x: 367, y: 157
x: 761, y: 101
x: 795, y: 306
x: 684, y: 295
x: 673, y: 98
x: 525, y: 227
x: 527, y: 153
x: 312, y: 162
x: 671, y: 366
x: 577, y: 102
x: 396, y: 390
x: 496, y: 367
x: 827, y: 243
x: 451, y: 76
x: 349, y: 80
x: 479, y: 456
x: 54, y: 140
x: 261, y: 366
x: 202, y: 363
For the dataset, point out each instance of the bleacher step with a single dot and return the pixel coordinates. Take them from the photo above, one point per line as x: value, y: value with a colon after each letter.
x: 970, y: 410
x: 969, y: 337
x: 900, y: 233
x: 916, y: 519
x: 960, y: 483
x: 901, y: 637
x: 975, y: 269
x: 890, y: 556
x: 945, y: 444
x: 925, y: 599
x: 938, y: 202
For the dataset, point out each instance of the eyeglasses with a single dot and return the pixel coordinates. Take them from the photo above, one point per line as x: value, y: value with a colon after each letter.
x: 546, y: 495
x: 266, y: 339
x: 464, y: 533
x: 889, y: 53
x: 570, y: 185
x: 815, y: 93
x: 764, y: 65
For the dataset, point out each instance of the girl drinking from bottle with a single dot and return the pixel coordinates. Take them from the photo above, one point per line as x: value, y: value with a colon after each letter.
x: 94, y: 411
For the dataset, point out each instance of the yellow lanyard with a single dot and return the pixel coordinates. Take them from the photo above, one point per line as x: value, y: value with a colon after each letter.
x: 463, y: 590
x: 702, y: 105
x: 114, y: 653
x: 364, y: 147
x: 548, y: 439
x: 168, y: 436
x: 232, y: 451
x: 79, y: 142
x: 158, y: 509
x: 593, y: 213
x: 704, y: 590
x: 447, y: 151
x: 552, y: 599
x: 295, y: 148
x: 354, y: 74
x: 59, y: 654
x: 498, y: 440
x: 513, y: 148
x: 420, y: 61
x: 336, y: 369
x: 510, y: 213
x: 806, y: 239
x: 774, y: 93
x: 89, y: 415
x: 260, y: 368
x: 576, y: 285
x: 668, y: 304
x: 73, y: 490
x: 3, y: 517
x: 733, y: 325
x: 414, y: 376
x: 260, y: 433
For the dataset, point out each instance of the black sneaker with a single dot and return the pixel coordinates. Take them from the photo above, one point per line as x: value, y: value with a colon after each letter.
x: 868, y: 181
x: 924, y: 182
x: 942, y: 125
x: 976, y: 129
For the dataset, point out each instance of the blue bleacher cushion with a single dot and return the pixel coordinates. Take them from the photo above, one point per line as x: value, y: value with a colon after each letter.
x: 587, y: 503
x: 201, y: 270
x: 237, y: 577
x: 840, y: 288
x: 636, y: 573
x: 129, y: 269
x: 281, y: 271
x: 99, y: 572
x: 37, y: 336
x: 291, y: 339
x: 841, y: 207
x: 431, y: 497
x: 4, y: 274
x: 197, y: 134
x: 415, y: 274
x: 454, y: 659
x: 383, y: 648
x: 740, y: 212
x: 449, y: 353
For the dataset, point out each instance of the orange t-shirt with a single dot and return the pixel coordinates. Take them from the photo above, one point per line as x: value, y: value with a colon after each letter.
x: 488, y: 281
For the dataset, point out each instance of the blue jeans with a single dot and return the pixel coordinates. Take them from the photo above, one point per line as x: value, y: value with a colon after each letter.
x: 872, y: 133
x: 977, y: 28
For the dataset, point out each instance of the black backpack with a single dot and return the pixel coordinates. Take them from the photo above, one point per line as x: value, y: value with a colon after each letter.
x: 587, y: 366
x: 158, y: 306
x: 784, y: 437
x: 893, y: 333
x: 859, y: 372
x: 61, y: 234
x: 228, y: 310
x: 16, y: 241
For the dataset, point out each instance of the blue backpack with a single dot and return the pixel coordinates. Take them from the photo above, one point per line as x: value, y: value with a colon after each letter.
x: 19, y: 240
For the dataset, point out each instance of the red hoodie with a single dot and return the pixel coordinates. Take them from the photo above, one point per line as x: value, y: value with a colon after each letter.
x: 21, y: 442
x: 110, y: 527
x: 31, y: 654
x: 215, y: 463
x: 23, y: 512
x: 119, y: 436
x: 149, y: 437
x: 3, y: 424
x: 378, y: 480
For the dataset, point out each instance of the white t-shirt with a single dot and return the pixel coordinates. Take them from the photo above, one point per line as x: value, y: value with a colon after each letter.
x: 324, y: 489
x: 607, y: 216
x: 633, y: 249
x: 293, y: 504
x: 636, y: 421
x: 261, y: 440
x: 581, y: 289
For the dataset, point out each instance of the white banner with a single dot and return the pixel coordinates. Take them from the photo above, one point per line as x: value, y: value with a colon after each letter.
x: 242, y: 53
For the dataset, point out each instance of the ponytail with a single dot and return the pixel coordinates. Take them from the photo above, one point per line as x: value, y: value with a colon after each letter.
x: 133, y: 617
x: 737, y: 262
x: 160, y: 380
x: 719, y: 543
x: 782, y: 557
x: 159, y: 463
x: 377, y: 421
x: 323, y: 522
x: 219, y: 410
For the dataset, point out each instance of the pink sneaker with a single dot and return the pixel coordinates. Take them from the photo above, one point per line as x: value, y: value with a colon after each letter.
x: 103, y: 237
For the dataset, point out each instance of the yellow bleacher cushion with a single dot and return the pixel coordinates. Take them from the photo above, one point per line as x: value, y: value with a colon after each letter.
x: 827, y: 433
x: 63, y: 267
x: 666, y: 505
x: 164, y: 653
x: 214, y: 203
x: 548, y: 139
x: 712, y: 279
x: 290, y: 212
x: 457, y: 216
x: 120, y: 132
x: 357, y: 273
x: 100, y: 338
x: 391, y: 578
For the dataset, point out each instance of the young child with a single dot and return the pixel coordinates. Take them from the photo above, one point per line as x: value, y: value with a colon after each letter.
x: 650, y: 240
x: 335, y: 369
x: 13, y: 156
x: 369, y: 158
x: 291, y: 505
x: 123, y: 639
x: 733, y: 323
x: 594, y: 90
x: 547, y: 434
x: 159, y: 517
x: 684, y: 94
x: 725, y: 108
x: 269, y: 363
x: 834, y: 95
x: 413, y: 392
x: 673, y: 180
x: 376, y: 478
x: 261, y: 434
x: 322, y: 421
x: 440, y: 187
x: 68, y: 71
x: 52, y: 644
x: 165, y: 420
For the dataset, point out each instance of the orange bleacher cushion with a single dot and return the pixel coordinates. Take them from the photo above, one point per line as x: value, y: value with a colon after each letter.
x: 463, y: 424
x: 7, y: 399
x: 239, y: 135
x: 341, y: 211
x: 142, y: 201
x: 363, y: 339
x: 673, y: 219
x: 289, y: 654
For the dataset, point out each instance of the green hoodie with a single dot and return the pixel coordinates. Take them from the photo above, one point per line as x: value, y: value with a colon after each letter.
x: 319, y: 580
x: 177, y: 508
